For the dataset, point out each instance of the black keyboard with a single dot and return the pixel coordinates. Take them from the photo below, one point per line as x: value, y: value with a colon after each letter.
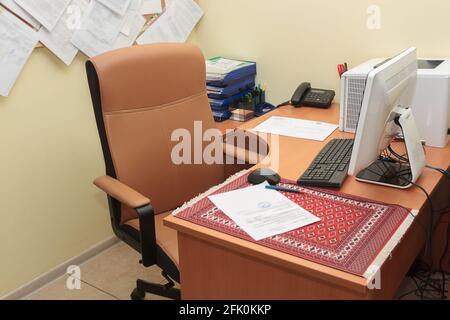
x: 330, y: 167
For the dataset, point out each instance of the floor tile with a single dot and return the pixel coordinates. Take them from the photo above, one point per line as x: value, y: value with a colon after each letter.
x: 116, y: 271
x: 57, y: 290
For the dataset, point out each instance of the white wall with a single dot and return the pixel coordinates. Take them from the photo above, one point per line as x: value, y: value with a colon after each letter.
x: 298, y: 40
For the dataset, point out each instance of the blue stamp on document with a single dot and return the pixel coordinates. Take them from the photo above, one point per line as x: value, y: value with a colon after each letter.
x: 264, y: 205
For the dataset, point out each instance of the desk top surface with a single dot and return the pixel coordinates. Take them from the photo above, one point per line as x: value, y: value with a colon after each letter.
x: 295, y: 157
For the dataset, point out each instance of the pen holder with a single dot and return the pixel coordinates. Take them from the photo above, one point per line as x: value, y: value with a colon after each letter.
x: 259, y: 97
x: 262, y: 97
x: 252, y: 104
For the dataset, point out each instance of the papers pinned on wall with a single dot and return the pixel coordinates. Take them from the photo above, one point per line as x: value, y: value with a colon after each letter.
x: 124, y: 40
x: 90, y: 26
x: 99, y: 30
x: 47, y: 12
x: 59, y: 40
x: 17, y: 41
x: 151, y: 7
x: 118, y: 6
x: 16, y: 9
x: 103, y: 29
x: 132, y: 13
x: 175, y: 25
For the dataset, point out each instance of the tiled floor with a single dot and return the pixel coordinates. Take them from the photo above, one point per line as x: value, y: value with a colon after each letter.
x: 112, y: 276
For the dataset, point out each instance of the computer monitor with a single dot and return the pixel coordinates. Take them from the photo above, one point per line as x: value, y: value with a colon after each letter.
x: 388, y: 94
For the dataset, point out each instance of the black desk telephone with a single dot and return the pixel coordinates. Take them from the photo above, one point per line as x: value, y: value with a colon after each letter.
x: 310, y: 97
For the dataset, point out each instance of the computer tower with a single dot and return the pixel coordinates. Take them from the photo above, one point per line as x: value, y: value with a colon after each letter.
x: 431, y: 102
x: 353, y: 84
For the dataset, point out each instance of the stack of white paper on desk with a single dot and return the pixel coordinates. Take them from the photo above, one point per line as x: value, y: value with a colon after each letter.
x: 222, y: 66
x: 218, y: 68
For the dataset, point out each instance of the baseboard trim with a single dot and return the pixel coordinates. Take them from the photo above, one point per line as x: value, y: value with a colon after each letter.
x: 59, y: 271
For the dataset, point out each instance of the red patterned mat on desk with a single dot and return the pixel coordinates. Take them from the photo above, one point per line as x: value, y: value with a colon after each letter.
x: 351, y: 236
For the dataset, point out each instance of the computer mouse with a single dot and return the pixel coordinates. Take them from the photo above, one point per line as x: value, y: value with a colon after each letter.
x: 262, y: 175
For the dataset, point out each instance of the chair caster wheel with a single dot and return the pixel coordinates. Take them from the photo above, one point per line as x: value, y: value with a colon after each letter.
x: 137, y: 295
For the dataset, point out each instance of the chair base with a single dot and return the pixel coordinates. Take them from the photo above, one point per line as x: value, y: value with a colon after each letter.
x: 164, y: 290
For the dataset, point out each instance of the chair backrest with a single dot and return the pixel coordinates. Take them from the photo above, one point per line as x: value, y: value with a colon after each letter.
x: 141, y: 95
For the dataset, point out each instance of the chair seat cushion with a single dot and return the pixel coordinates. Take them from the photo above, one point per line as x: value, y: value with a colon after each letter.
x: 166, y: 238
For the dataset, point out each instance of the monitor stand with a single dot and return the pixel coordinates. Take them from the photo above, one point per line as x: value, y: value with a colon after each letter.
x: 398, y: 174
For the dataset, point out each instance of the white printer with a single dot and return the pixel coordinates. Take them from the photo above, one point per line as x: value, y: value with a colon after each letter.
x: 431, y: 103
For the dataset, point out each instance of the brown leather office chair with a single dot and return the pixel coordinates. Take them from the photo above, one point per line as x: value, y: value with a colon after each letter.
x: 140, y: 96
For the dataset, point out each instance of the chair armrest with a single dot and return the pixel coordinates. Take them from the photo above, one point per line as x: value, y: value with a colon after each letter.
x: 238, y: 143
x: 241, y: 155
x: 134, y: 200
x: 121, y: 192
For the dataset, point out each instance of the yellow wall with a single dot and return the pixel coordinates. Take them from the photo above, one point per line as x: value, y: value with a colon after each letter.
x: 49, y: 155
x: 304, y: 40
x: 49, y: 149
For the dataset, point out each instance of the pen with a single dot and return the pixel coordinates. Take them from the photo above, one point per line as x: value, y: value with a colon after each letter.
x: 282, y: 189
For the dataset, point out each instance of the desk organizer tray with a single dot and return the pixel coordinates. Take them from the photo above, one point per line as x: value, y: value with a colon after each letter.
x: 356, y: 235
x: 234, y: 76
x: 224, y: 104
x: 220, y: 116
x: 231, y: 90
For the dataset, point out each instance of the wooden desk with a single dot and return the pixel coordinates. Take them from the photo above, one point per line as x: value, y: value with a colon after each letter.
x: 214, y: 265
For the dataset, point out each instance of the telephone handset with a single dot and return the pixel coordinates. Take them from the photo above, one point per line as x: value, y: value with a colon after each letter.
x: 299, y: 93
x: 310, y: 97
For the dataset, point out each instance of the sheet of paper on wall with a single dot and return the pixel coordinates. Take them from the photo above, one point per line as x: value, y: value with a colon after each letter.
x: 297, y: 128
x: 118, y: 6
x: 263, y: 213
x: 99, y: 30
x: 16, y: 9
x: 133, y: 11
x: 47, y: 12
x: 187, y: 13
x: 17, y: 41
x: 123, y: 40
x: 151, y: 7
x: 175, y: 24
x: 162, y: 30
x: 59, y: 39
